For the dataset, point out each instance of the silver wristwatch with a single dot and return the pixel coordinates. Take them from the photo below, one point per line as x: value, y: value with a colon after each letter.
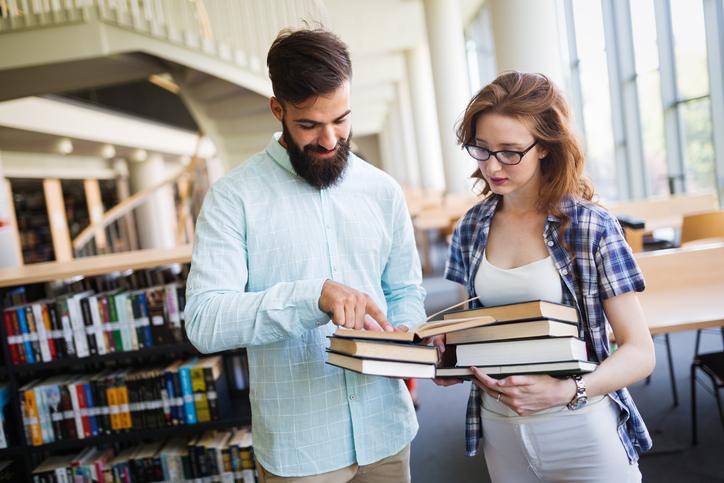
x: 579, y: 399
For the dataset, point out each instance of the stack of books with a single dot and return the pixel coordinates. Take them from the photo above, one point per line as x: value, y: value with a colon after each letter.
x: 535, y: 337
x: 213, y: 456
x: 394, y: 354
x: 116, y: 400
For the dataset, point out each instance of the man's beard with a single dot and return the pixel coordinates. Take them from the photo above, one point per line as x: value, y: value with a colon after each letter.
x: 320, y: 173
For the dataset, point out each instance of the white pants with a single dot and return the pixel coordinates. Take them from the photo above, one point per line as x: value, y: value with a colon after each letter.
x: 563, y: 446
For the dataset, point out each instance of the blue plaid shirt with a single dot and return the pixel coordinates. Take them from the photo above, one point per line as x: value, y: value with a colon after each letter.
x: 604, y: 267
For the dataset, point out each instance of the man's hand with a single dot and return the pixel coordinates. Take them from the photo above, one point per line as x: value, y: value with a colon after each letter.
x: 351, y: 308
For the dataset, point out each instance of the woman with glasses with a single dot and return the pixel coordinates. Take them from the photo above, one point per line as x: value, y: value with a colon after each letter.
x: 536, y: 235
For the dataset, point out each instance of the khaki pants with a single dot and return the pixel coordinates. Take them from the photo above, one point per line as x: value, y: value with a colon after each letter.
x: 393, y: 469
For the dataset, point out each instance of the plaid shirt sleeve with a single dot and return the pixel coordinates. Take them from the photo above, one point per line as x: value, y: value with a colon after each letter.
x: 618, y: 272
x: 455, y: 266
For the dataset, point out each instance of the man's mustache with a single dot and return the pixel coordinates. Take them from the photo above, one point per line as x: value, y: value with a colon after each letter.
x: 319, y: 149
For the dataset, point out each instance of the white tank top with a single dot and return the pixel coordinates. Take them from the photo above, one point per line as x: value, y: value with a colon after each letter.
x: 537, y: 280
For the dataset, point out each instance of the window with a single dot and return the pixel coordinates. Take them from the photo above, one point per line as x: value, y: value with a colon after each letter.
x: 648, y: 76
x: 596, y: 108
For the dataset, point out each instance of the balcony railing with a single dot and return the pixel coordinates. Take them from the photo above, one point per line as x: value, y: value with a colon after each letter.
x: 239, y: 31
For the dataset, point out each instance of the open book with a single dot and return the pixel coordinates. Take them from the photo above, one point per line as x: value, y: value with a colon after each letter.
x: 428, y: 329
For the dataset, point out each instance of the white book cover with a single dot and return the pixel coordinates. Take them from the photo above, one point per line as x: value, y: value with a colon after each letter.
x: 42, y: 332
x: 97, y: 325
x: 526, y: 351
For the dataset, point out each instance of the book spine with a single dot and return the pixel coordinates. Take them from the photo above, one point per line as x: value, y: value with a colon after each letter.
x: 211, y: 393
x: 115, y: 324
x: 13, y: 340
x: 198, y: 386
x: 179, y: 398
x: 125, y: 409
x: 75, y: 318
x: 35, y: 313
x: 188, y: 394
x: 31, y: 406
x: 66, y: 403
x: 98, y: 325
x: 22, y: 354
x: 172, y: 418
x: 33, y: 334
x: 83, y: 406
x: 105, y: 316
x: 23, y: 321
x: 77, y: 410
x: 55, y: 410
x: 91, y: 340
x: 57, y: 348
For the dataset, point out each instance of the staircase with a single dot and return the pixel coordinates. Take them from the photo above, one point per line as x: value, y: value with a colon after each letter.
x: 214, y: 50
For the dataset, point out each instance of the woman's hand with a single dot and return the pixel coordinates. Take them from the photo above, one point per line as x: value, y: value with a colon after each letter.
x: 526, y: 394
x: 439, y: 342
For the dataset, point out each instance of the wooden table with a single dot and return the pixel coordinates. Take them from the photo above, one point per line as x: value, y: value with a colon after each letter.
x: 684, y: 288
x: 684, y: 291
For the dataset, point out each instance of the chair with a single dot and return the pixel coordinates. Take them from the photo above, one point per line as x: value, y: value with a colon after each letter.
x: 712, y: 365
x: 702, y: 226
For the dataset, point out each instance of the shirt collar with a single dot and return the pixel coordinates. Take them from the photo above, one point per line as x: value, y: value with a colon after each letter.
x: 568, y: 206
x: 279, y: 153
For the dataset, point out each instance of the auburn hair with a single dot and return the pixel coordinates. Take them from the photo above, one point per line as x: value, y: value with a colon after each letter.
x: 538, y: 103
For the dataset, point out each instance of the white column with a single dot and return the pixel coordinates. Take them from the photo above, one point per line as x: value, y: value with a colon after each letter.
x: 156, y: 218
x: 447, y: 53
x: 424, y: 116
x: 393, y: 146
x: 526, y: 37
x: 411, y: 156
x: 11, y: 254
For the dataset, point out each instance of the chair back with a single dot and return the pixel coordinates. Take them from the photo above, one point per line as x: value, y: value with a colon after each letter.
x: 702, y: 226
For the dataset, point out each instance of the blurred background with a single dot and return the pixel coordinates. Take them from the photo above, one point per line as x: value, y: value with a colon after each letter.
x: 117, y: 115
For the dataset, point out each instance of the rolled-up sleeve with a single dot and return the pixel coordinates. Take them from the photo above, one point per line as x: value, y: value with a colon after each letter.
x: 618, y: 272
x: 220, y: 313
x: 402, y: 275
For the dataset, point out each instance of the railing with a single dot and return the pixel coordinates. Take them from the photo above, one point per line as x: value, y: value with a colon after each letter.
x: 239, y: 31
x: 116, y: 230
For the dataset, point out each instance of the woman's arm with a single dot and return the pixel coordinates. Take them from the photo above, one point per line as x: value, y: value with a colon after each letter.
x: 635, y: 357
x: 634, y: 360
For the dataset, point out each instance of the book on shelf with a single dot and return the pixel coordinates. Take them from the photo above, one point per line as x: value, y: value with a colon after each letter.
x: 223, y: 455
x: 514, y: 330
x: 4, y: 398
x: 531, y: 310
x: 81, y: 406
x: 527, y: 351
x: 557, y: 368
x: 428, y: 329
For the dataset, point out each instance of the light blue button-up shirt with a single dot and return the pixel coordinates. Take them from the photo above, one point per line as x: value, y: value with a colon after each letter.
x: 266, y: 241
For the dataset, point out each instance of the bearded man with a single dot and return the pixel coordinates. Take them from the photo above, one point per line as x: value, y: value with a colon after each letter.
x: 296, y: 241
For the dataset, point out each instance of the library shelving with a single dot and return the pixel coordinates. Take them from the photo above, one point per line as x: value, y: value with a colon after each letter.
x: 26, y: 455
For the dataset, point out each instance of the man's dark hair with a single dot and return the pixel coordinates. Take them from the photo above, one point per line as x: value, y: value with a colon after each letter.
x: 307, y: 63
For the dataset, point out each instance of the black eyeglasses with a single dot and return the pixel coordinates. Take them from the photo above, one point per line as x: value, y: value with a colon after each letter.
x: 505, y: 157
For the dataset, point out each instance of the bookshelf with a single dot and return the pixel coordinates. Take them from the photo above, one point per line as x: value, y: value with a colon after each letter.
x: 14, y: 376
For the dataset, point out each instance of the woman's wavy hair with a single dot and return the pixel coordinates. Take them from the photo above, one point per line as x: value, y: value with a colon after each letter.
x: 534, y: 100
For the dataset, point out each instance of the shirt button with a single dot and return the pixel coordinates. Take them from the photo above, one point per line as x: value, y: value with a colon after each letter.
x: 352, y: 397
x: 550, y: 243
x: 564, y: 272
